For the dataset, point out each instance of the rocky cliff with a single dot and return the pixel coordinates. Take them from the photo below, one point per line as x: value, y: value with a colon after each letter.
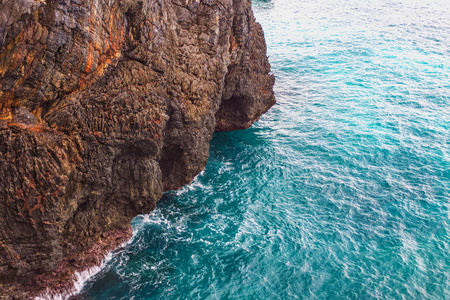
x: 104, y: 105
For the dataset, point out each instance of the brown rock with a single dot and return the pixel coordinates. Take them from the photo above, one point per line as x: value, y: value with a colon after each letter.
x: 103, y: 106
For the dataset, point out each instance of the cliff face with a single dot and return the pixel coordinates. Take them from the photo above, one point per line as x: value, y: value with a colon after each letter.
x: 105, y: 104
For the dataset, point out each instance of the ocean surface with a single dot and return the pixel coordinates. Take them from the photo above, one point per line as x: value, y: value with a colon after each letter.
x: 341, y: 191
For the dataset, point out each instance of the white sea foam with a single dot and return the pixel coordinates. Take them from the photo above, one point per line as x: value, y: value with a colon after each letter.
x: 194, y: 185
x: 81, y: 278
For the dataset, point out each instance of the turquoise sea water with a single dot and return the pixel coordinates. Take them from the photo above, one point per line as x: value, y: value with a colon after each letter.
x: 341, y: 191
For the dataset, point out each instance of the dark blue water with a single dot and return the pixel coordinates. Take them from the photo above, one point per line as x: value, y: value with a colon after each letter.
x: 341, y: 191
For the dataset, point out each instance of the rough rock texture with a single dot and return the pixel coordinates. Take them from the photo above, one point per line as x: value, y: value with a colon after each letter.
x: 105, y: 104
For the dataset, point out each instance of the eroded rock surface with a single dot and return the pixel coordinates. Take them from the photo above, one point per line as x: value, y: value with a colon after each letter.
x: 105, y: 104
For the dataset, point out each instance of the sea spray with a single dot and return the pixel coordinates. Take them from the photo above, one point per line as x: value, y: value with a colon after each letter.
x: 80, y: 278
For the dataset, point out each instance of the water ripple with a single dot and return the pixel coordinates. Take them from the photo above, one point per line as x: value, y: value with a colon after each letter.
x: 341, y: 191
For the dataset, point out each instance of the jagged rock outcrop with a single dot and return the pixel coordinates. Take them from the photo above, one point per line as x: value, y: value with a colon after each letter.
x: 105, y: 104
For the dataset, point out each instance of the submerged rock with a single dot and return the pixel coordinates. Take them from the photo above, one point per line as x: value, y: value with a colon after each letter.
x: 104, y: 105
